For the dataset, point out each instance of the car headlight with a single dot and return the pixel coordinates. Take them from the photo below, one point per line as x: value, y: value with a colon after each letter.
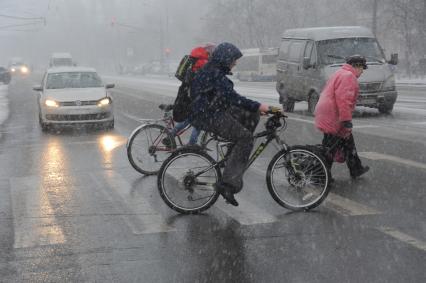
x: 51, y: 103
x: 389, y: 84
x: 13, y: 70
x: 24, y: 70
x: 104, y: 101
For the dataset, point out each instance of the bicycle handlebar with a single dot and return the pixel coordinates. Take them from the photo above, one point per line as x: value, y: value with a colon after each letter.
x: 273, y: 110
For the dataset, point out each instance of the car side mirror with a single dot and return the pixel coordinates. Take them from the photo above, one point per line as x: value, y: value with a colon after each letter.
x: 394, y: 59
x: 307, y: 63
x: 109, y: 85
x: 38, y: 88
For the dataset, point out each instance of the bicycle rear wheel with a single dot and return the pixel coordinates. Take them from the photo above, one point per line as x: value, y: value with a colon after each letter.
x: 298, y: 178
x: 146, y: 151
x: 186, y: 180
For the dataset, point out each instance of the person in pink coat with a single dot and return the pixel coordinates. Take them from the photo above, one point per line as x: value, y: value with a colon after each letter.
x: 333, y: 113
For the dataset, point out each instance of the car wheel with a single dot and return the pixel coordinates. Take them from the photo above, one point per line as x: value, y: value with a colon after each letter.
x: 385, y: 108
x: 109, y: 125
x: 312, y: 102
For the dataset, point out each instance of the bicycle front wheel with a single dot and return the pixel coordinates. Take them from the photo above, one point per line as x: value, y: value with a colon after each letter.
x: 186, y: 180
x: 298, y: 178
x: 148, y: 147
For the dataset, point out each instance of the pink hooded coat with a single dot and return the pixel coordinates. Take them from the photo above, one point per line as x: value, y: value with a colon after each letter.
x: 337, y: 101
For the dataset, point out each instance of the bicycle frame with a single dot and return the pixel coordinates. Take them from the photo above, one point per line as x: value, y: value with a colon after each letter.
x: 270, y: 136
x: 169, y: 123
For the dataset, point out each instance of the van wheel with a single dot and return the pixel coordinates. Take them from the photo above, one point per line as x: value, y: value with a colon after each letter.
x: 289, y: 105
x: 385, y: 108
x: 312, y: 102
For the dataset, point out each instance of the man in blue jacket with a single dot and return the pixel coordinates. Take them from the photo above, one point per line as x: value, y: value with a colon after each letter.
x: 219, y: 109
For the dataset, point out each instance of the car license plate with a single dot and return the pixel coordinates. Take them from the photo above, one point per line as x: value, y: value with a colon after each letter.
x: 368, y: 101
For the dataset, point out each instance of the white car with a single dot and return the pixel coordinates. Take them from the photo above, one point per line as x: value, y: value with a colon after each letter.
x: 74, y: 95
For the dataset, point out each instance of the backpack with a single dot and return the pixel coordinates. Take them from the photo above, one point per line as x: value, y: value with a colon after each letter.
x: 184, y: 69
x: 182, y: 104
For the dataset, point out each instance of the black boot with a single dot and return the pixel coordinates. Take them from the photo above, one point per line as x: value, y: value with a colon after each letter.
x: 360, y: 172
x: 225, y: 191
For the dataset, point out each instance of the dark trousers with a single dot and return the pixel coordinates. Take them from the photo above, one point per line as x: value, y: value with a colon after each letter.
x: 237, y: 126
x: 348, y: 145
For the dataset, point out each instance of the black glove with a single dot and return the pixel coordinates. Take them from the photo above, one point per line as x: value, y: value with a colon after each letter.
x: 347, y: 124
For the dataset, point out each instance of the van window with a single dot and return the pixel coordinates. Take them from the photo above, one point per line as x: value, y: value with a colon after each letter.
x: 334, y: 51
x: 283, y: 54
x: 310, y: 52
x: 295, y: 50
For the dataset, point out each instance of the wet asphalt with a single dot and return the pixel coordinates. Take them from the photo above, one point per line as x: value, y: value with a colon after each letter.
x: 72, y: 209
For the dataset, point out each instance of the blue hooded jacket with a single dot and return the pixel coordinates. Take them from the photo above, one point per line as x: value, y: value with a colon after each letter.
x: 212, y: 92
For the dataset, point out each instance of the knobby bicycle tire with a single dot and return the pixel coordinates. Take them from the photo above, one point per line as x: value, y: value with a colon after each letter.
x: 178, y: 187
x: 310, y: 171
x: 145, y: 150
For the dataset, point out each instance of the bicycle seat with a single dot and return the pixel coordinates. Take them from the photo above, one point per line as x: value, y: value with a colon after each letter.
x: 166, y: 107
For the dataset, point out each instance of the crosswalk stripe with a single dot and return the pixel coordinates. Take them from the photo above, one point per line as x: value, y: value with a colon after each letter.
x: 403, y: 237
x: 381, y: 156
x: 337, y: 203
x: 143, y: 219
x: 33, y: 216
x: 347, y: 207
x: 246, y: 213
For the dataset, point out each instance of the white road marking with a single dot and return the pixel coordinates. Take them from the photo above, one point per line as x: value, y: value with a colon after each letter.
x: 347, y: 207
x: 312, y: 122
x: 337, y: 203
x: 246, y: 213
x: 381, y: 156
x: 418, y: 123
x: 131, y: 117
x: 403, y: 237
x: 365, y: 126
x: 33, y: 216
x: 301, y: 120
x: 143, y: 219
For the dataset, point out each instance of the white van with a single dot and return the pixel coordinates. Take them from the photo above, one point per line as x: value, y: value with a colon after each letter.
x: 61, y: 59
x: 257, y: 64
x: 309, y: 56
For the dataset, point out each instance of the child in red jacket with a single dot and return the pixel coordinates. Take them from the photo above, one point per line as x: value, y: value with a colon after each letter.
x: 202, y: 54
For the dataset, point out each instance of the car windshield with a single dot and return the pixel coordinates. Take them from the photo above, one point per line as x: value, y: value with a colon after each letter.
x: 73, y: 80
x: 334, y: 51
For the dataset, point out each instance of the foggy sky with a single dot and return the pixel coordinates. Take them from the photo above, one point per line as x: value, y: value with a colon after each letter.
x: 141, y: 31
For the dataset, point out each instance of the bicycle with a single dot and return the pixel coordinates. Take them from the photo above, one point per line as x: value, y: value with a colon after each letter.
x: 297, y: 177
x: 145, y: 146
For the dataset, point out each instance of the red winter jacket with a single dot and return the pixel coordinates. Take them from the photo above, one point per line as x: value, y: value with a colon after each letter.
x: 202, y: 55
x: 337, y: 101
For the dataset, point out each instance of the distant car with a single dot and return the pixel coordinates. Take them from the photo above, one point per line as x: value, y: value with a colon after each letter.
x: 4, y: 75
x: 61, y: 59
x: 74, y: 95
x: 18, y: 67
